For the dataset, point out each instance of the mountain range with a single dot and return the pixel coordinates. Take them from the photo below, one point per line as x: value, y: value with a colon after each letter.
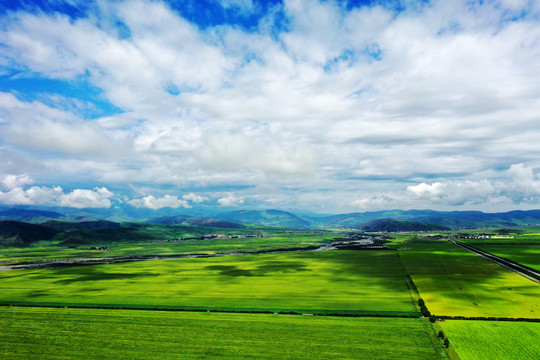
x: 277, y: 218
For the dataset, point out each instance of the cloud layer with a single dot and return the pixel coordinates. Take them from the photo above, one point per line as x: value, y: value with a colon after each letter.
x: 306, y: 104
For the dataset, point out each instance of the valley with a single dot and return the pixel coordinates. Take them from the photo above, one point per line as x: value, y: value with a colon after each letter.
x: 169, y: 276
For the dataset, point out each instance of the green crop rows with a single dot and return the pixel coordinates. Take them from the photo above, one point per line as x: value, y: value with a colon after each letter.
x: 451, y: 281
x: 455, y: 282
x: 37, y: 333
x: 327, y: 281
x: 479, y: 340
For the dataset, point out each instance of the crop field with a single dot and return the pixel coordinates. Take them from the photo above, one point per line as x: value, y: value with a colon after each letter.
x: 478, y: 340
x: 47, y: 251
x: 41, y: 333
x: 528, y: 255
x: 321, y: 281
x: 455, y: 282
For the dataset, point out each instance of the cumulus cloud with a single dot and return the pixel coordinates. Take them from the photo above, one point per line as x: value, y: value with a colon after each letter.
x: 230, y: 200
x: 374, y: 202
x: 78, y: 198
x: 12, y: 181
x: 35, y: 125
x: 84, y: 198
x: 195, y: 198
x: 317, y: 96
x: 524, y: 180
x: 427, y: 191
x: 518, y: 184
x: 152, y: 202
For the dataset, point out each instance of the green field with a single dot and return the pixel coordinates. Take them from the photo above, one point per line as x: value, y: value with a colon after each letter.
x: 41, y: 333
x: 52, y: 251
x: 455, y: 282
x: 479, y: 340
x: 451, y: 281
x: 332, y: 281
x: 528, y: 255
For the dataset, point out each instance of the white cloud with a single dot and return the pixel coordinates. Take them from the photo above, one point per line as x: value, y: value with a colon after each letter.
x: 341, y: 101
x: 35, y: 125
x: 78, y: 198
x: 195, y: 198
x: 84, y: 198
x: 428, y: 191
x: 524, y: 181
x: 230, y: 200
x: 383, y: 201
x: 518, y: 185
x: 12, y: 181
x: 152, y: 202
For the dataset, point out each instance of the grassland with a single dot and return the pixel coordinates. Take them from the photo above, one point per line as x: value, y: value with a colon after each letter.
x: 455, y: 282
x: 479, y: 340
x: 51, y: 251
x: 331, y: 281
x: 41, y: 333
x: 452, y: 282
x: 528, y: 255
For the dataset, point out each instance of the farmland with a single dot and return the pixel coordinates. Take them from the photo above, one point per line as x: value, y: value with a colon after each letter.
x: 29, y: 333
x: 476, y: 340
x: 455, y: 282
x: 527, y: 255
x: 327, y: 281
x: 53, y: 251
x: 187, y: 304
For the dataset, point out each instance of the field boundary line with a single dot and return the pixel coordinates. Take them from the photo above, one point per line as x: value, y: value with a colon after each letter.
x: 239, y: 311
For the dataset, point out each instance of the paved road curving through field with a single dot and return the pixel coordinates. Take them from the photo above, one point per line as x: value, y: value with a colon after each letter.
x: 525, y: 271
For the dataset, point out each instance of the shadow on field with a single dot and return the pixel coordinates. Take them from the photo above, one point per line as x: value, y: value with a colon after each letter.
x: 262, y: 270
x: 89, y: 273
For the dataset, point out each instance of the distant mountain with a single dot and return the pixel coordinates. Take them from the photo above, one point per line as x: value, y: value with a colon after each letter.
x: 265, y: 218
x: 133, y: 233
x: 453, y: 219
x: 277, y: 218
x: 15, y: 233
x: 29, y: 216
x: 390, y: 225
x: 83, y: 225
x: 196, y: 221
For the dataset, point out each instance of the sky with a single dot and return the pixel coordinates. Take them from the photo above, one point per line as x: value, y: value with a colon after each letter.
x: 324, y: 106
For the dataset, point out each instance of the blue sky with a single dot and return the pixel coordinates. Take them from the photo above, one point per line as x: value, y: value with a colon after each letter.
x: 327, y: 106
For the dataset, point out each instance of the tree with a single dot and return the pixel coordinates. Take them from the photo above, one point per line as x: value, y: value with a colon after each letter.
x: 446, y: 343
x: 441, y: 334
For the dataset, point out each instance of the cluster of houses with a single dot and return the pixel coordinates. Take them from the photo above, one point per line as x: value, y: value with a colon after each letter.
x: 485, y: 236
x: 96, y: 248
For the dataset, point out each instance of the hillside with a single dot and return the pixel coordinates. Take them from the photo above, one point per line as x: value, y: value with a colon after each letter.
x: 197, y: 221
x: 15, y: 233
x: 265, y: 217
x: 28, y: 215
x: 453, y: 219
x: 83, y: 225
x: 390, y: 225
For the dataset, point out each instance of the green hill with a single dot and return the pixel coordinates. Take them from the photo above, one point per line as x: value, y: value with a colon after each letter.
x: 265, y: 217
x: 29, y: 216
x: 83, y: 225
x: 15, y: 233
x: 197, y: 221
x: 390, y: 225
